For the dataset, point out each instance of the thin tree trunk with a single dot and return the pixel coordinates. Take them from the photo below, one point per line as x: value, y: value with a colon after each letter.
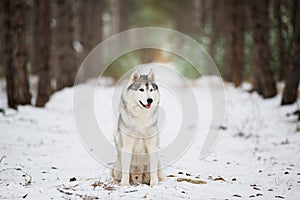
x: 88, y: 12
x: 35, y: 37
x: 236, y: 41
x: 21, y: 53
x: 125, y: 11
x: 44, y: 32
x: 281, y: 43
x: 214, y: 29
x: 227, y: 68
x: 66, y: 69
x: 290, y: 92
x: 196, y: 18
x: 16, y: 55
x: 115, y: 16
x: 263, y: 77
x: 91, y: 28
x: 8, y: 53
x: 203, y: 15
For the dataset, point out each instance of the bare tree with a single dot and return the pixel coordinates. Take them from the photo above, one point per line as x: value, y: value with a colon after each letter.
x: 8, y: 53
x: 115, y: 16
x: 15, y: 53
x: 21, y: 53
x: 290, y: 92
x: 214, y: 7
x: 35, y: 37
x: 263, y: 76
x: 91, y: 32
x: 66, y: 69
x: 278, y: 15
x: 236, y: 41
x: 43, y: 51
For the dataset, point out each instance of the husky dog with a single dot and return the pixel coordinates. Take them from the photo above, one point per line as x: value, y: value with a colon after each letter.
x: 136, y: 137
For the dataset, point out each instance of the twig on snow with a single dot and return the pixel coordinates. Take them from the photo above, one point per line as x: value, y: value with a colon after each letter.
x: 27, y: 180
x: 84, y: 197
x: 2, y: 158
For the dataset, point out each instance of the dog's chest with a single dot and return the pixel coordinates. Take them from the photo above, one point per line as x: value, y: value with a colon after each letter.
x: 139, y: 146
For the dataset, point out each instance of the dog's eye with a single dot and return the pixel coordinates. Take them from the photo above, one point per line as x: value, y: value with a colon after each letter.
x: 151, y: 90
x: 141, y: 89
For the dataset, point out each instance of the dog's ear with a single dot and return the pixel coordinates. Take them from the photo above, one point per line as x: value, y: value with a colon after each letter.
x: 151, y: 75
x: 135, y: 76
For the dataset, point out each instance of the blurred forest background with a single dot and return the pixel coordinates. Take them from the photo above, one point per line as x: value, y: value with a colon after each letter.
x: 46, y: 41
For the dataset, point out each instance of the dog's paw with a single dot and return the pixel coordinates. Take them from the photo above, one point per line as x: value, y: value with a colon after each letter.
x: 124, y: 183
x: 153, y: 182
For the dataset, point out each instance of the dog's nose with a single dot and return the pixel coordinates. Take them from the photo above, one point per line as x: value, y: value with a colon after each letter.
x: 149, y: 100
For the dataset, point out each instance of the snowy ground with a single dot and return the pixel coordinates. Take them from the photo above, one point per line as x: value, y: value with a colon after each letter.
x: 257, y: 156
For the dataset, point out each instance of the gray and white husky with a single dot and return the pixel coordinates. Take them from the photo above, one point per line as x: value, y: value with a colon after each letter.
x: 136, y: 137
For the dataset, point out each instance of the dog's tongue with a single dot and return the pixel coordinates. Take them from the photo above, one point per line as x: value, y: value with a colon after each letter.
x: 148, y: 106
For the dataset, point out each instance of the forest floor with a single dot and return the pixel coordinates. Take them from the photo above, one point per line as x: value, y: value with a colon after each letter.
x: 256, y: 157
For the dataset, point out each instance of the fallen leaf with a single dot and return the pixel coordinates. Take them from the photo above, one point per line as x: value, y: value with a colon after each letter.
x: 130, y: 191
x: 171, y: 176
x: 219, y: 179
x: 222, y: 127
x: 73, y: 179
x: 97, y: 184
x: 191, y: 181
x: 256, y: 188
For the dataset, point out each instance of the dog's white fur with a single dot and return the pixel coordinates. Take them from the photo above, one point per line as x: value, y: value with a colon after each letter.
x: 137, y: 135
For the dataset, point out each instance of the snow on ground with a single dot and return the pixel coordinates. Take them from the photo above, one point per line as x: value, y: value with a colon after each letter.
x: 257, y: 156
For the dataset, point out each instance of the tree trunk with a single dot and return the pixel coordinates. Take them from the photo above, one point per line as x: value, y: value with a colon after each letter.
x: 21, y: 53
x: 236, y: 41
x: 8, y: 53
x: 214, y: 4
x: 115, y: 16
x: 44, y: 49
x: 263, y: 77
x: 35, y: 14
x: 91, y: 24
x: 66, y: 69
x: 283, y: 62
x: 16, y: 56
x: 203, y: 15
x: 226, y: 68
x: 290, y: 92
x: 125, y: 12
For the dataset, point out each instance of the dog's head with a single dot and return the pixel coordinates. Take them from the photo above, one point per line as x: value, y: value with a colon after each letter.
x: 143, y: 91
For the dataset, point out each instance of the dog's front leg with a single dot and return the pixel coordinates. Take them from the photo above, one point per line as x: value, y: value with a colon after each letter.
x: 126, y: 154
x: 153, y: 158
